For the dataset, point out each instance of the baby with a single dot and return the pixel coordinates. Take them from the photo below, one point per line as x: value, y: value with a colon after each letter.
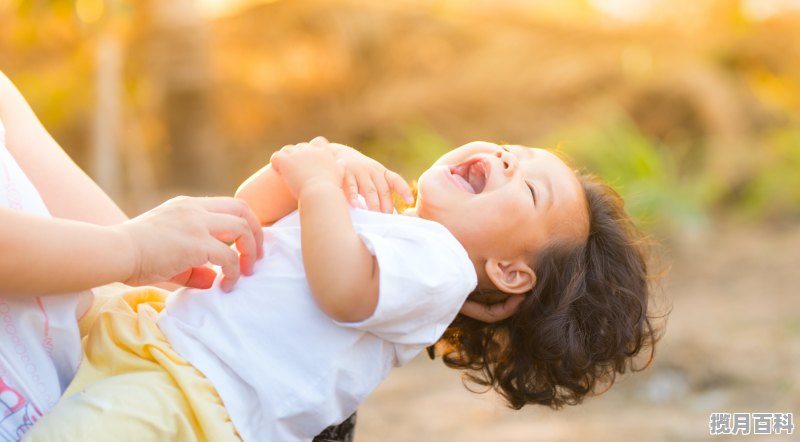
x: 343, y: 295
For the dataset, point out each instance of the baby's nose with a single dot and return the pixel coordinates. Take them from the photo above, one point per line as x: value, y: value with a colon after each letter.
x: 508, y: 160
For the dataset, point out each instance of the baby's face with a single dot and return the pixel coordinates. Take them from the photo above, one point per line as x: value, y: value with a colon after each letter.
x: 503, y: 202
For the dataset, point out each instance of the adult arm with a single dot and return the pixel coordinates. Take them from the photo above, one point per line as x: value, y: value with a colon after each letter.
x: 66, y: 190
x: 169, y: 243
x: 43, y: 255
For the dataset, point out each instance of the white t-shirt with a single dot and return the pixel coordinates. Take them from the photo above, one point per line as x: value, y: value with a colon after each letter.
x: 40, y: 345
x: 284, y: 369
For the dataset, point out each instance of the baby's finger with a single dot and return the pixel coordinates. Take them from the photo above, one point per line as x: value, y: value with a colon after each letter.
x: 350, y: 188
x: 319, y: 141
x: 275, y: 160
x: 399, y: 186
x: 287, y: 149
x: 384, y: 194
x: 366, y: 187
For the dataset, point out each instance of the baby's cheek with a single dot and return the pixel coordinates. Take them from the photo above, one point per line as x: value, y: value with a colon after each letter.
x: 516, y: 207
x: 508, y: 215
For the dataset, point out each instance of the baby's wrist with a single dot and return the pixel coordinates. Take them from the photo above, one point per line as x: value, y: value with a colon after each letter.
x: 126, y: 250
x: 319, y: 187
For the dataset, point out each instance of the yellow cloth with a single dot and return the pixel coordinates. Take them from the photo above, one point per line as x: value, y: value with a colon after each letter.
x: 132, y: 386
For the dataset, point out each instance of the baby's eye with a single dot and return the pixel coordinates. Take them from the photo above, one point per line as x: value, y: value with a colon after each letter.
x: 533, y: 192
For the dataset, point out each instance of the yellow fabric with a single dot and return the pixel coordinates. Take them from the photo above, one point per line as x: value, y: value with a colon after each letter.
x: 102, y: 295
x: 132, y: 386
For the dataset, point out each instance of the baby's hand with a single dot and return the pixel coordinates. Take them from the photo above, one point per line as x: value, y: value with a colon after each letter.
x: 365, y: 176
x: 494, y: 312
x: 304, y: 164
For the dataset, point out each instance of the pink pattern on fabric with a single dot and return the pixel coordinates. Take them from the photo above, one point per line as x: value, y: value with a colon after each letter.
x: 47, y: 340
x: 18, y: 415
x: 19, y: 347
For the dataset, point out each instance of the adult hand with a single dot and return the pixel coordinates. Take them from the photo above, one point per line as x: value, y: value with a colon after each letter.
x: 368, y: 177
x: 174, y: 242
x: 492, y: 312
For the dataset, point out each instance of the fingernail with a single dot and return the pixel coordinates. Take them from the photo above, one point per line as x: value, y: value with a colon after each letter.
x: 319, y: 140
x: 226, y: 285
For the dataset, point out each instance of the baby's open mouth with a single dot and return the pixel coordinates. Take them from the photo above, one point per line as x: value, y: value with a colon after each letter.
x: 471, y: 176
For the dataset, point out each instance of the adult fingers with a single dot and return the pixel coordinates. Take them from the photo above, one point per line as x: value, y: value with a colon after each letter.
x: 228, y: 261
x: 229, y: 229
x: 399, y: 186
x: 239, y: 209
x: 248, y: 253
x: 196, y: 277
x: 494, y: 312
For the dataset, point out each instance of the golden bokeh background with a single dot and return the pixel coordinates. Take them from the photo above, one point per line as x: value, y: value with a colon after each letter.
x: 691, y: 109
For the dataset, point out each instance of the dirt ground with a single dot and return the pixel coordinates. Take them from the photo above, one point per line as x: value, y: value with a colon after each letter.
x: 732, y: 345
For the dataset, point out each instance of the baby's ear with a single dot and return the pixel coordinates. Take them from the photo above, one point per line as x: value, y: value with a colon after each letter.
x: 511, y: 276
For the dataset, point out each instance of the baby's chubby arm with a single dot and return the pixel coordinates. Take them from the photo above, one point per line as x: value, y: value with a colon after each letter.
x: 269, y: 197
x: 341, y: 272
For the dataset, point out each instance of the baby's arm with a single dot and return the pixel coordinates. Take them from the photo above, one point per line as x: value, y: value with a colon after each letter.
x: 271, y: 200
x: 341, y: 272
x: 267, y: 195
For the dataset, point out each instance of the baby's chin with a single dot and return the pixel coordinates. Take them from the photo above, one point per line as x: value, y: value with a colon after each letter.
x: 489, y: 297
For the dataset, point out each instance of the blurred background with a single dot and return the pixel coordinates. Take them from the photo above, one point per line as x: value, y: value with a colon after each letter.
x: 691, y: 109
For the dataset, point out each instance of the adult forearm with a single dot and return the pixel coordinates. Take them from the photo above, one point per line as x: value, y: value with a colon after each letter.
x: 48, y: 255
x: 341, y: 272
x: 66, y: 190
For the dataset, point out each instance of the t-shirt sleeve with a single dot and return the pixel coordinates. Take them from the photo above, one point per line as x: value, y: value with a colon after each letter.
x: 425, y: 276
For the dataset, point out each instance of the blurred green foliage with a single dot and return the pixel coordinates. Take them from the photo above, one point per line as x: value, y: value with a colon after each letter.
x: 774, y: 193
x: 663, y: 191
x: 409, y: 150
x: 405, y: 84
x: 646, y: 173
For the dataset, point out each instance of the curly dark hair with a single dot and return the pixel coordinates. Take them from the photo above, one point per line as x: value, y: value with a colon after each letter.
x: 584, y: 321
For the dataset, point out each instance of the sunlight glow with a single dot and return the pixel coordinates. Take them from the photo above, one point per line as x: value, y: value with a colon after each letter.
x: 89, y: 11
x: 219, y: 8
x: 764, y: 9
x: 625, y: 10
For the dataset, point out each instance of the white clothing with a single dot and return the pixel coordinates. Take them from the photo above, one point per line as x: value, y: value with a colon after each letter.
x: 40, y: 345
x: 284, y: 369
